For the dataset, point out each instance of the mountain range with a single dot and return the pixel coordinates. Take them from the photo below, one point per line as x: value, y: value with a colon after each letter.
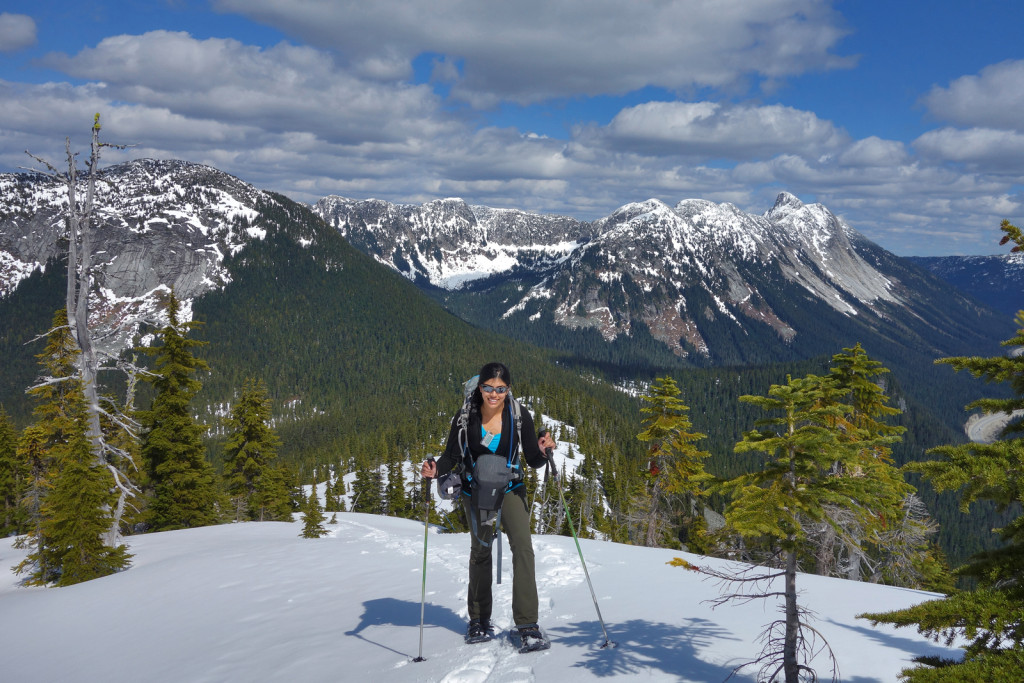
x: 338, y: 307
x: 710, y: 283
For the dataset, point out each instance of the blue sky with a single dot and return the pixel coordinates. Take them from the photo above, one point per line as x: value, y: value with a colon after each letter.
x: 905, y: 118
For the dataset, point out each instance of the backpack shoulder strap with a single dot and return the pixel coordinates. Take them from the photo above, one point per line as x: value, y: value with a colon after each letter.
x: 516, y: 411
x: 467, y: 394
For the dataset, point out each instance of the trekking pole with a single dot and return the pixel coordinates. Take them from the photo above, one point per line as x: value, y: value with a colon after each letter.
x: 568, y: 517
x: 426, y: 528
x: 497, y: 533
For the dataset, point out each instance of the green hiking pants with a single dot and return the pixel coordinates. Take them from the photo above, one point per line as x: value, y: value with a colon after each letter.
x: 515, y: 521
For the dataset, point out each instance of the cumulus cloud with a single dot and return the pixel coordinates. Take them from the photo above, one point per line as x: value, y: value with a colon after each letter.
x: 17, y: 31
x: 873, y: 152
x: 716, y: 131
x: 995, y: 150
x: 994, y: 98
x: 278, y: 89
x: 532, y: 50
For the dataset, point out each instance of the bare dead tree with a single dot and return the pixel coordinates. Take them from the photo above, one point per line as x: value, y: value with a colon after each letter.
x: 79, y: 222
x: 747, y: 583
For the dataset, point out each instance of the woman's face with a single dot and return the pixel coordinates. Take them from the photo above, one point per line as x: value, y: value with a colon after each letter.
x: 494, y: 392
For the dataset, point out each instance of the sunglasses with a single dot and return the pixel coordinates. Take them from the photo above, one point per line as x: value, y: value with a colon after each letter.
x: 487, y: 388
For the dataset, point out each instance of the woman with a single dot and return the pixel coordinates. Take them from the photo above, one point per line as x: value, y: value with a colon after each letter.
x: 491, y: 429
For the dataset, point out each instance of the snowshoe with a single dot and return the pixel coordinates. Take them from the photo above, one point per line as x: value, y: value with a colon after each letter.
x: 479, y: 631
x: 529, y: 638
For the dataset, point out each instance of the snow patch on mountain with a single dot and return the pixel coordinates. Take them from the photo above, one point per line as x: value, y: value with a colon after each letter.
x: 447, y: 243
x: 13, y: 270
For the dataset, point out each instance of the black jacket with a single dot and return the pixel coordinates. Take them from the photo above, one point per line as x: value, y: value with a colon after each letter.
x: 452, y: 455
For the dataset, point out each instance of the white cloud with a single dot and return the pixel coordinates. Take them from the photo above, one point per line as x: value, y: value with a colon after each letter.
x: 874, y: 152
x: 711, y: 130
x: 532, y: 50
x: 992, y: 99
x: 17, y: 31
x: 277, y: 89
x: 994, y: 150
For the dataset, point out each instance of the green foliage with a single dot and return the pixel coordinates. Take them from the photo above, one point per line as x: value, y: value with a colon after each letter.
x: 75, y: 513
x: 13, y: 479
x: 183, y: 483
x: 68, y: 497
x: 396, y: 499
x: 368, y: 490
x: 804, y: 449
x: 990, y: 618
x: 251, y: 473
x: 313, y: 517
x: 675, y: 478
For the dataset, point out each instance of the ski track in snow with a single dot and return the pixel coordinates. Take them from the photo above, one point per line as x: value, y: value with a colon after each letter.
x: 495, y: 661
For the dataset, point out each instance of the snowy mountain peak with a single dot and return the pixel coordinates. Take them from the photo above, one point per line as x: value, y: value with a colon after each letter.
x: 158, y: 224
x: 785, y: 199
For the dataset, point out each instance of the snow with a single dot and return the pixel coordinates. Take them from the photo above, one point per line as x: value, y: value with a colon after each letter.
x: 13, y: 271
x: 255, y: 602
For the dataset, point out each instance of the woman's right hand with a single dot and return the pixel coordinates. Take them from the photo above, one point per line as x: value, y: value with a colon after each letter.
x: 429, y: 469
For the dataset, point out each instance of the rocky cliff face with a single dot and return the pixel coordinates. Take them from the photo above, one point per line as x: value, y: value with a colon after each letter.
x: 158, y: 225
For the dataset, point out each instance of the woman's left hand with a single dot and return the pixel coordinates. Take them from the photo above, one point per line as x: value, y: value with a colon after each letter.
x: 545, y: 442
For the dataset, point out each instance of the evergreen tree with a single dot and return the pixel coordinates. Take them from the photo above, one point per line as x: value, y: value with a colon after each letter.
x: 76, y: 513
x: 250, y: 452
x: 368, y: 490
x: 804, y: 447
x: 13, y: 479
x: 330, y: 498
x: 991, y: 618
x: 184, y: 488
x: 40, y: 469
x: 69, y: 493
x: 313, y: 516
x: 394, y: 491
x: 892, y: 542
x: 675, y: 474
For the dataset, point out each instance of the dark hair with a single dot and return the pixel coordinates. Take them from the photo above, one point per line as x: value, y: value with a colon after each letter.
x: 493, y: 370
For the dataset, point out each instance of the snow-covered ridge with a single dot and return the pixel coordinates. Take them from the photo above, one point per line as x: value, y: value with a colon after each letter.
x: 158, y: 225
x: 448, y: 243
x: 652, y: 259
x: 645, y: 256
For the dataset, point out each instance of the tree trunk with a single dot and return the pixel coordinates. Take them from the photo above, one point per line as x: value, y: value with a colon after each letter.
x: 651, y: 539
x: 789, y: 649
x: 79, y: 223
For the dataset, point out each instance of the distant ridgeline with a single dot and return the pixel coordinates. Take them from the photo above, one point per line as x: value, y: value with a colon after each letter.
x: 996, y: 281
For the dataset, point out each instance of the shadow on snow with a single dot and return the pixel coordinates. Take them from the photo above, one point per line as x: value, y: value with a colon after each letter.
x: 643, y: 645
